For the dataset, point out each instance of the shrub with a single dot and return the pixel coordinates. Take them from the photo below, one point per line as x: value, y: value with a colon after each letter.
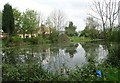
x: 63, y: 38
x: 35, y: 40
x: 23, y: 73
x: 54, y: 37
x: 16, y: 40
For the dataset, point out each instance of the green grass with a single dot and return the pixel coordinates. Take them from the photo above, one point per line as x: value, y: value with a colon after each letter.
x: 82, y: 39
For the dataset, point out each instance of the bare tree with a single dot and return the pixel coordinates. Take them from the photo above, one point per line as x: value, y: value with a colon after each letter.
x: 91, y: 23
x: 107, y: 11
x: 0, y: 20
x: 58, y: 19
x: 40, y: 18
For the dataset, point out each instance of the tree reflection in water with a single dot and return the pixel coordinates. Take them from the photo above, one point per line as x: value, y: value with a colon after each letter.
x: 54, y: 58
x: 71, y: 50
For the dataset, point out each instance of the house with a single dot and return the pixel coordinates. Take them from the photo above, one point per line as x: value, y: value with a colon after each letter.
x: 27, y: 35
x: 37, y: 32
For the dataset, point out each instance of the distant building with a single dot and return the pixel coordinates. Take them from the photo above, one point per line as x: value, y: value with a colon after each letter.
x: 27, y: 35
x: 46, y: 30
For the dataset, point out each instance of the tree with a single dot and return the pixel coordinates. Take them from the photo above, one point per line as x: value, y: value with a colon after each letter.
x: 107, y: 12
x: 40, y: 19
x: 91, y: 28
x: 0, y: 20
x: 50, y: 25
x: 91, y: 23
x: 8, y: 20
x: 70, y: 30
x: 29, y: 21
x: 58, y: 19
x: 18, y: 19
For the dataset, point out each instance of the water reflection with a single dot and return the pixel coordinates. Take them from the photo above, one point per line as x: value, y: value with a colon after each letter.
x: 95, y: 52
x: 71, y: 50
x: 55, y: 58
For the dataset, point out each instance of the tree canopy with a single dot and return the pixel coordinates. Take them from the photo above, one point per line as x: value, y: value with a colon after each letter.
x: 70, y: 30
x: 8, y: 19
x: 29, y: 21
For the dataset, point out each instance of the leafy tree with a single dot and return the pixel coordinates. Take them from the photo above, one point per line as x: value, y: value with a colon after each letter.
x: 29, y: 21
x: 54, y: 36
x: 8, y: 19
x: 85, y: 32
x: 91, y: 33
x: 70, y: 30
x: 91, y: 28
x: 18, y: 19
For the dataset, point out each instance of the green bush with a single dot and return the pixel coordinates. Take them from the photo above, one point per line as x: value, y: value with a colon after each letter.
x: 63, y: 38
x: 115, y: 36
x: 16, y: 40
x: 25, y: 72
x: 54, y: 37
x: 35, y: 40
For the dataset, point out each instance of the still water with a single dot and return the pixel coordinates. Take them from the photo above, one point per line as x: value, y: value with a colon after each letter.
x: 55, y: 57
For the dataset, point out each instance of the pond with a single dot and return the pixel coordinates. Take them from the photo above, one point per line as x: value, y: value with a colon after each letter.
x: 54, y: 58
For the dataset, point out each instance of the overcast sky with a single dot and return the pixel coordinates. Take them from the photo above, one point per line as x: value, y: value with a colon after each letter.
x: 75, y: 10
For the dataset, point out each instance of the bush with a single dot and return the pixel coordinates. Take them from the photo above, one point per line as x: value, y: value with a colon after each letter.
x: 35, y: 40
x: 16, y: 40
x: 63, y: 38
x: 25, y: 72
x: 54, y: 37
x: 115, y: 36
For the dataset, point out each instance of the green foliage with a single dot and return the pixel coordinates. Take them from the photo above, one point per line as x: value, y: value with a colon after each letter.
x: 81, y: 39
x: 63, y: 38
x: 70, y: 30
x: 16, y: 40
x: 25, y: 72
x: 74, y: 39
x: 35, y: 40
x: 19, y: 69
x: 54, y: 37
x: 91, y: 33
x: 12, y: 41
x: 71, y: 50
x: 29, y: 21
x: 114, y: 55
x: 8, y: 19
x: 18, y: 20
x: 88, y: 73
x: 85, y: 32
x: 115, y: 36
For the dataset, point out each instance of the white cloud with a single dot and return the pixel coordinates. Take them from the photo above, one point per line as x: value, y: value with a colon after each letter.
x: 76, y: 10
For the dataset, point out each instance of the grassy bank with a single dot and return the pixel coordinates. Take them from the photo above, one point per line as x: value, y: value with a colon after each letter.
x: 82, y: 39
